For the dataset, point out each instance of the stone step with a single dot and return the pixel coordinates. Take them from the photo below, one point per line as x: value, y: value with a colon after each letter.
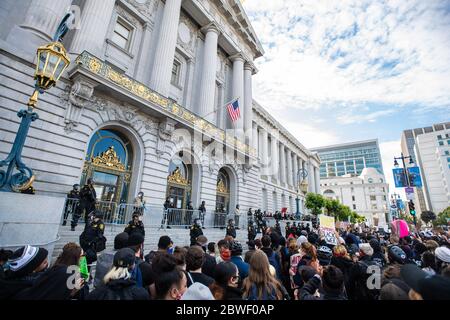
x: 179, y: 236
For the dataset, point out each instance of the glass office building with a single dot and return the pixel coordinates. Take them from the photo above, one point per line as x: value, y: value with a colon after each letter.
x: 349, y: 158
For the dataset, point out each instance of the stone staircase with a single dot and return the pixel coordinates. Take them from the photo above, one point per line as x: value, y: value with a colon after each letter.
x: 180, y: 236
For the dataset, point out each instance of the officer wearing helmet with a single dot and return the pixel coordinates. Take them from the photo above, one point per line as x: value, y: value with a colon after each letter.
x: 231, y: 230
x: 196, y: 231
x: 88, y: 198
x: 251, y: 230
x: 72, y: 203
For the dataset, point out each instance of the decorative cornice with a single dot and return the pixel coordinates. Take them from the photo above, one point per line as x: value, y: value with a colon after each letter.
x: 212, y: 26
x: 102, y: 70
x: 237, y: 57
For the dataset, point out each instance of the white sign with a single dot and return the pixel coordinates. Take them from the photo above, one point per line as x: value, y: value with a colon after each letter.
x: 410, y: 196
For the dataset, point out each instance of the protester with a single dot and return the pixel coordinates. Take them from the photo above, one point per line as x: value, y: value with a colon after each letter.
x: 330, y: 279
x: 236, y: 258
x: 106, y: 258
x: 195, y: 259
x: 54, y: 284
x: 226, y: 282
x: 136, y: 225
x: 164, y: 245
x: 274, y: 258
x: 118, y: 282
x: 224, y: 251
x: 171, y: 281
x: 209, y: 265
x: 423, y: 286
x: 26, y: 265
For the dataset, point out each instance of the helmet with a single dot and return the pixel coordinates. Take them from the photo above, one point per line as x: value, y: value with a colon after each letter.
x: 235, y: 248
x: 324, y: 254
x: 396, y: 254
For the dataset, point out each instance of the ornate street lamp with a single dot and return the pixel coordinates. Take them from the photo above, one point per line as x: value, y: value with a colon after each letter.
x: 302, y: 185
x: 52, y: 61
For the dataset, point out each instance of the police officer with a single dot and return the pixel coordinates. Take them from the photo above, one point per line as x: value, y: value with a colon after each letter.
x: 231, y: 230
x: 277, y: 227
x: 88, y: 197
x: 202, y: 210
x: 72, y: 203
x: 287, y: 229
x: 196, y: 231
x: 92, y: 240
x: 251, y: 230
x: 135, y: 225
x: 294, y: 229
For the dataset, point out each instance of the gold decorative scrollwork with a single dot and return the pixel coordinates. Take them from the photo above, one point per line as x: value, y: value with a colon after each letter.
x: 221, y: 188
x: 109, y: 160
x: 177, y: 177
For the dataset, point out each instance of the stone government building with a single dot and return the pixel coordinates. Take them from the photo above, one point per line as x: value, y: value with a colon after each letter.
x: 142, y: 71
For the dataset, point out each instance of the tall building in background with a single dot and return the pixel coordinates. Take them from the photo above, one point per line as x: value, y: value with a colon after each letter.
x: 349, y: 158
x: 353, y: 174
x: 433, y: 159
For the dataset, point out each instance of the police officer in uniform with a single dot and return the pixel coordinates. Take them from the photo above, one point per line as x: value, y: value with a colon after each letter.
x: 88, y: 198
x: 135, y: 225
x: 251, y: 231
x: 277, y: 227
x: 92, y: 240
x: 72, y: 203
x: 196, y: 231
x: 287, y: 229
x: 231, y: 230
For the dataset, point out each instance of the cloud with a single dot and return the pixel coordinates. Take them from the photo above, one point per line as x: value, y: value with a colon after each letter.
x: 321, y: 52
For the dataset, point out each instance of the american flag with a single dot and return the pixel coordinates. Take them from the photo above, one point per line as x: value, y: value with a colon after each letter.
x: 234, y: 111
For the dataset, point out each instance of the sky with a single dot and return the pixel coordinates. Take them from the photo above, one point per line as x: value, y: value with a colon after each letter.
x: 337, y: 71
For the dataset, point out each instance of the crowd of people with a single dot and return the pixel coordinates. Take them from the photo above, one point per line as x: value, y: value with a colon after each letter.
x: 296, y: 263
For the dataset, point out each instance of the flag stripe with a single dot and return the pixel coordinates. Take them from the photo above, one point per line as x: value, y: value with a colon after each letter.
x: 234, y: 111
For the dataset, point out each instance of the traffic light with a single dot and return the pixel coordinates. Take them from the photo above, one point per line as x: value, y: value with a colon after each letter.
x: 412, y: 208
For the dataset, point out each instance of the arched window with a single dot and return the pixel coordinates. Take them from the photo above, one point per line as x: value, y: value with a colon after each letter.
x: 179, y: 183
x: 223, y: 192
x: 104, y: 139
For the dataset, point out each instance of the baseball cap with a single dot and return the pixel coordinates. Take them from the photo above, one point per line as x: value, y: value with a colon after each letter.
x: 124, y: 258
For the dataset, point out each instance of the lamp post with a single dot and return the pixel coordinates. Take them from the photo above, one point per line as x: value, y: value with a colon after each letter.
x: 52, y: 61
x: 406, y: 175
x: 302, y: 186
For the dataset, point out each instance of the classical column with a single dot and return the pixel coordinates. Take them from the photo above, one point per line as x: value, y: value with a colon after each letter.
x: 296, y: 176
x: 208, y: 76
x: 141, y: 73
x: 43, y: 16
x: 248, y: 102
x: 95, y: 20
x: 165, y: 48
x: 264, y: 153
x: 289, y: 168
x: 283, y: 163
x: 311, y: 180
x: 275, y: 162
x: 255, y: 138
x: 317, y: 179
x: 238, y: 88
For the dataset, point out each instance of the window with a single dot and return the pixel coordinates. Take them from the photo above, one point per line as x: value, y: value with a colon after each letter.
x: 447, y: 152
x: 374, y: 207
x: 441, y: 143
x: 354, y: 207
x: 373, y: 198
x: 176, y: 70
x: 439, y: 137
x: 448, y: 159
x: 370, y: 180
x: 353, y: 198
x: 122, y: 34
x: 381, y: 180
x: 448, y: 142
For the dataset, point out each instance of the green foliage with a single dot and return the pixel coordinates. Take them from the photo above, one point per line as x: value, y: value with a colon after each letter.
x: 332, y: 206
x: 442, y: 218
x: 428, y: 216
x: 315, y: 203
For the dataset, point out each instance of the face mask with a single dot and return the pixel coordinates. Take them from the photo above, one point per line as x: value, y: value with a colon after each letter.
x: 140, y: 218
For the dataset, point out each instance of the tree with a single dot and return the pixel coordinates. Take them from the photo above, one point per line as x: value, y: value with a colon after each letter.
x: 428, y: 216
x: 333, y: 207
x: 315, y: 203
x: 443, y: 218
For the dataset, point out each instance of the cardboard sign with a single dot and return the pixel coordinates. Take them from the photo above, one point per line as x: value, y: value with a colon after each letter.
x: 327, y: 228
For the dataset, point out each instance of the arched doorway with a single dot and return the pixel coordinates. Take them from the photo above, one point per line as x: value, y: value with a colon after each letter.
x: 179, y: 182
x: 223, y: 192
x: 108, y: 162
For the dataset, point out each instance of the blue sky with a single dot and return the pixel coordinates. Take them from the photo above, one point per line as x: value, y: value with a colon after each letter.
x: 340, y: 71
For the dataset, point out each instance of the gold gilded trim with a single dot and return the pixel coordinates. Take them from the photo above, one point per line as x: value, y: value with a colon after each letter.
x: 176, y: 177
x: 221, y: 187
x: 109, y: 160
